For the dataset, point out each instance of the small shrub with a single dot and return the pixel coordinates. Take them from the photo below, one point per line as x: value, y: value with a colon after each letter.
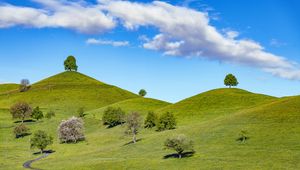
x: 166, y: 121
x: 113, y: 117
x: 243, y: 136
x: 37, y: 113
x: 21, y: 130
x: 71, y: 130
x: 151, y: 120
x: 40, y: 140
x: 179, y: 143
x: 50, y: 114
x: 21, y: 111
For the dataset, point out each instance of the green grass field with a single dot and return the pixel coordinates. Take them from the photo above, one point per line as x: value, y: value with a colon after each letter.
x: 213, y: 120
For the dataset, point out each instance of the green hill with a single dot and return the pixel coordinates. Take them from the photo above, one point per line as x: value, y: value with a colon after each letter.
x: 68, y: 91
x: 273, y: 130
x: 141, y: 105
x: 216, y: 102
x: 213, y: 120
x: 8, y: 88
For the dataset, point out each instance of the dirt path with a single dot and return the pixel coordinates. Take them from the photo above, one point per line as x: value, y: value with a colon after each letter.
x: 27, y: 164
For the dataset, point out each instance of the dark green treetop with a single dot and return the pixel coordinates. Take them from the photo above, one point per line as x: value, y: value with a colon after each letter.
x: 142, y: 92
x: 70, y: 64
x: 230, y: 80
x: 40, y: 140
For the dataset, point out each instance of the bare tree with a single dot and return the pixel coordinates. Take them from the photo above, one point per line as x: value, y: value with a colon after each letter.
x: 24, y: 85
x: 134, y: 122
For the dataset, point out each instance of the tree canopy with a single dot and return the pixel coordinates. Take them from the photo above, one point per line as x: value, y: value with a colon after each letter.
x: 40, y: 140
x: 166, y: 121
x: 113, y: 116
x: 70, y: 64
x: 134, y: 121
x: 230, y: 80
x: 151, y: 120
x: 179, y: 143
x: 37, y: 113
x: 71, y: 130
x: 142, y: 92
x: 21, y: 111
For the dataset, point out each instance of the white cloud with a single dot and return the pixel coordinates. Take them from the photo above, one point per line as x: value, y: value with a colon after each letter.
x: 187, y: 32
x: 182, y: 31
x: 107, y: 42
x: 72, y: 15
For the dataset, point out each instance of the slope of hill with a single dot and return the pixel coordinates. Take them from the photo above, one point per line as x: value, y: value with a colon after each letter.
x: 6, y: 88
x: 213, y: 120
x: 216, y: 102
x: 141, y: 105
x: 273, y: 130
x: 68, y: 91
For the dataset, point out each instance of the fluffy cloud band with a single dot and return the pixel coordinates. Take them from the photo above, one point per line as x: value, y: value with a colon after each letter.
x: 182, y: 31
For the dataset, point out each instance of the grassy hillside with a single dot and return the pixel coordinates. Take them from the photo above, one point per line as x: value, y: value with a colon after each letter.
x: 8, y: 88
x: 141, y: 105
x: 213, y: 120
x: 215, y: 103
x: 68, y: 91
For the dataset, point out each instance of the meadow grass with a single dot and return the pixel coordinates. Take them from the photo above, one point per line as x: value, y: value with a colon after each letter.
x: 213, y: 120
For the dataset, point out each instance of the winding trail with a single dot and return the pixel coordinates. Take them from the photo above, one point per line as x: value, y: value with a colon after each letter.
x: 27, y: 164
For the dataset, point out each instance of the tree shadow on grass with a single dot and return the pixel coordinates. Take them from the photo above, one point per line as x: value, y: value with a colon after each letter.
x: 25, y: 121
x: 45, y: 151
x: 131, y: 142
x: 242, y: 139
x: 22, y: 135
x: 183, y: 155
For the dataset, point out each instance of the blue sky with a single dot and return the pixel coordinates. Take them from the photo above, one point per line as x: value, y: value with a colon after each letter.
x: 177, y: 64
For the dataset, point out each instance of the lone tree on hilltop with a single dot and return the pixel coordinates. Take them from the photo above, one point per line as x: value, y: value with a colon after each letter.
x: 230, y: 80
x: 37, y: 113
x: 134, y: 121
x: 70, y: 64
x: 40, y: 140
x: 24, y: 85
x: 179, y: 143
x: 142, y: 92
x: 21, y: 111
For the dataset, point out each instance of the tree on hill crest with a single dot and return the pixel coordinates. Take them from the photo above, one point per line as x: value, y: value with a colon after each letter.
x: 230, y: 80
x: 70, y: 64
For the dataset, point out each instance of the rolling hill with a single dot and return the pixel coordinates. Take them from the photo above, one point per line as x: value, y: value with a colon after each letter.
x: 68, y: 91
x: 8, y: 88
x: 141, y: 105
x: 216, y: 103
x: 213, y: 120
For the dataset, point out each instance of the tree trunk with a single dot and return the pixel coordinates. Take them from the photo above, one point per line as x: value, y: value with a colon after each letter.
x: 179, y: 155
x: 134, y: 138
x: 42, y: 150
